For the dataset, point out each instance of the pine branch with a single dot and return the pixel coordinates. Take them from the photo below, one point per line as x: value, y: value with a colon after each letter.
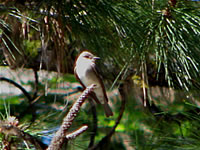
x: 8, y: 128
x: 76, y: 133
x: 60, y: 135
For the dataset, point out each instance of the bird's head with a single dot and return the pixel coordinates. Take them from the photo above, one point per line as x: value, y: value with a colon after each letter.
x: 89, y: 56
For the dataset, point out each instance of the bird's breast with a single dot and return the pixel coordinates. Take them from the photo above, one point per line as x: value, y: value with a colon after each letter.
x: 87, y: 76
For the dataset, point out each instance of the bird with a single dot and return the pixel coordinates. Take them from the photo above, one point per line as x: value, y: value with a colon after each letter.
x: 85, y: 71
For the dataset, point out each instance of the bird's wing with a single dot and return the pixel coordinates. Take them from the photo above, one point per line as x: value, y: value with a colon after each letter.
x: 93, y: 95
x: 95, y: 69
x: 75, y: 73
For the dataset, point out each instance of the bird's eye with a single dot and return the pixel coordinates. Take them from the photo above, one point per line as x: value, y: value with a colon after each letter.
x: 87, y: 56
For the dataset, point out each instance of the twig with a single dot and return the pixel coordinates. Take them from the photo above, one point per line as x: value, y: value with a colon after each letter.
x: 76, y: 133
x: 26, y: 94
x: 18, y: 86
x: 59, y: 137
x: 36, y: 83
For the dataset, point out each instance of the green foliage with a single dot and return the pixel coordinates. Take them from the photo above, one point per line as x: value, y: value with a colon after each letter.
x: 69, y: 78
x: 169, y: 37
x: 161, y: 32
x: 31, y: 47
x: 9, y: 100
x: 176, y: 129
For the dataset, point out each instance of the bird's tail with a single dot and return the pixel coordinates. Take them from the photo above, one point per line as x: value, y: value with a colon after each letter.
x: 107, y: 110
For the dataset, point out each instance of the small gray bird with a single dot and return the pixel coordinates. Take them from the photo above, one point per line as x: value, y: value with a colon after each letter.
x: 86, y: 72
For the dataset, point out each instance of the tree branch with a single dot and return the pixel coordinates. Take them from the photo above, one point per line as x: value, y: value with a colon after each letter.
x: 18, y: 86
x: 59, y: 137
x: 76, y: 133
x: 36, y: 83
x: 9, y: 129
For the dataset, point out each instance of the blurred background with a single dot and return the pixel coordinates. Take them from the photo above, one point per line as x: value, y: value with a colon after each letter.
x: 150, y: 65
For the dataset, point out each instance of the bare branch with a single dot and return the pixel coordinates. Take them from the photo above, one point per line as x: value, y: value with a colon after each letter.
x: 18, y: 86
x: 76, y: 133
x: 36, y: 83
x: 59, y: 137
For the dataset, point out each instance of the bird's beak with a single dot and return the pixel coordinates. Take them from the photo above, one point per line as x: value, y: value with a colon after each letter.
x: 95, y: 58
